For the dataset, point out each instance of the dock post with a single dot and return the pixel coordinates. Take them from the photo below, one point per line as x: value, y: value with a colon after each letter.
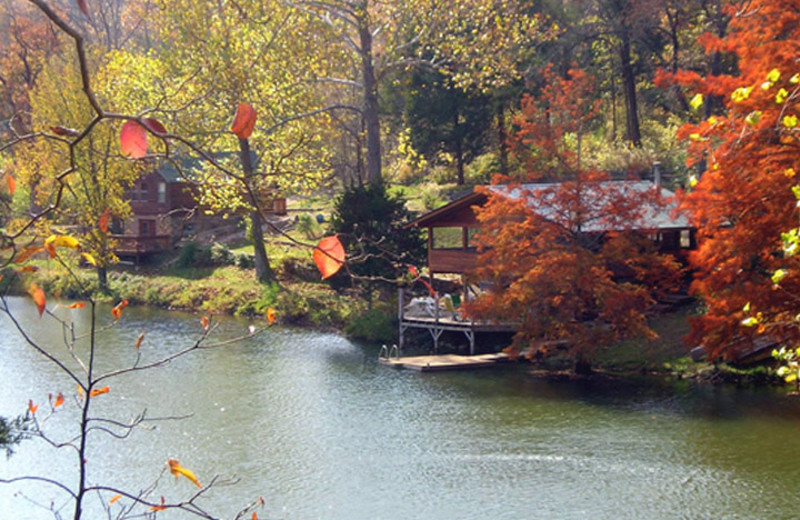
x: 400, y: 305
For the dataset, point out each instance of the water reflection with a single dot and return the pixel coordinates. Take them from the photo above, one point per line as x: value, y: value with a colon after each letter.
x: 312, y: 422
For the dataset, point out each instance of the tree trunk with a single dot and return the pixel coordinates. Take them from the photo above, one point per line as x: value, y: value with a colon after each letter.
x: 459, y: 149
x: 102, y: 279
x: 502, y: 138
x: 263, y: 270
x: 371, y: 116
x: 633, y: 131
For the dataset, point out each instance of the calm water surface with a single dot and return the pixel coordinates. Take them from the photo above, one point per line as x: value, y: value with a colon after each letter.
x: 310, y: 422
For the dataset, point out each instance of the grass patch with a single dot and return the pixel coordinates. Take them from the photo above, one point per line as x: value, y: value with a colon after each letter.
x: 666, y: 353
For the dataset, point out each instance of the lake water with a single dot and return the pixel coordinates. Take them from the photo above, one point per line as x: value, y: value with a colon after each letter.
x: 312, y: 423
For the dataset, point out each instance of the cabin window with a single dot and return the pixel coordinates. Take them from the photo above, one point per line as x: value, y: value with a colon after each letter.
x: 162, y: 192
x: 686, y: 238
x: 140, y: 192
x: 448, y: 238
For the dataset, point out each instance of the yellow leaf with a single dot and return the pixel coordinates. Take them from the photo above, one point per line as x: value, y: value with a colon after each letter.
x: 781, y: 96
x: 271, y: 316
x: 789, y: 172
x: 695, y: 136
x: 794, y: 80
x: 790, y: 121
x: 741, y: 94
x: 115, y: 498
x: 176, y: 469
x: 62, y: 241
x: 774, y: 75
x: 697, y: 101
x: 89, y: 259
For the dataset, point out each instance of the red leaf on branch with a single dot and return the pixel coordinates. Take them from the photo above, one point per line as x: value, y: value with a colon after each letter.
x: 133, y: 139
x: 102, y: 222
x: 329, y: 256
x: 64, y: 131
x: 32, y: 407
x: 155, y: 126
x: 245, y: 121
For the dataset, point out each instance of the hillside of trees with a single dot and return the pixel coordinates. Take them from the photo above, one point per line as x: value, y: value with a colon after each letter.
x: 349, y: 94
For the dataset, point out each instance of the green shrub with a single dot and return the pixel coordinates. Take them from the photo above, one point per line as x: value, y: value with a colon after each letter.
x: 375, y: 325
x: 221, y: 255
x: 307, y: 225
x: 193, y: 254
x: 245, y: 261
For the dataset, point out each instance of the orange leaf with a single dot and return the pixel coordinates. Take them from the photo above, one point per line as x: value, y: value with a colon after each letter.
x: 59, y: 400
x: 32, y: 407
x: 329, y: 256
x: 255, y: 516
x: 162, y: 507
x: 99, y: 391
x: 12, y: 184
x: 139, y: 340
x: 102, y: 222
x: 176, y: 469
x: 51, y: 250
x: 39, y: 299
x: 133, y: 139
x: 245, y: 121
x: 28, y: 269
x: 27, y: 252
x: 76, y: 305
x: 204, y: 322
x: 155, y: 126
x: 271, y: 315
x: 117, y: 311
x: 115, y: 498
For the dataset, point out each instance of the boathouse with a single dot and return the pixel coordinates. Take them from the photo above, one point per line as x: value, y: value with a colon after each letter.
x: 452, y: 251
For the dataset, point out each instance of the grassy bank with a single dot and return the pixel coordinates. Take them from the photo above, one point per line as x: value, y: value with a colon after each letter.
x: 221, y: 289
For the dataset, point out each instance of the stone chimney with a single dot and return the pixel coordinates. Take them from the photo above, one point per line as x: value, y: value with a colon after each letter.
x: 657, y: 173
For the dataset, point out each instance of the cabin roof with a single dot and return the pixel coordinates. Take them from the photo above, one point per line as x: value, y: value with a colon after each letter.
x: 656, y: 217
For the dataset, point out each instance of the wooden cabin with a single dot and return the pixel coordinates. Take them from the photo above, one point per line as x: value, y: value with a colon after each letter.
x: 451, y: 228
x: 164, y: 208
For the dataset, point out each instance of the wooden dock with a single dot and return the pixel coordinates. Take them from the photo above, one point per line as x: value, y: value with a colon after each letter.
x: 444, y: 362
x: 435, y: 320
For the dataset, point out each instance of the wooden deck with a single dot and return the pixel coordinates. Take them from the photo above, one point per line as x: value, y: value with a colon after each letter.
x: 437, y: 320
x: 444, y: 362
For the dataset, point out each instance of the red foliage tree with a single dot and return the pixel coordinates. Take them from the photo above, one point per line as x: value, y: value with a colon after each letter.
x: 563, y: 259
x: 743, y: 200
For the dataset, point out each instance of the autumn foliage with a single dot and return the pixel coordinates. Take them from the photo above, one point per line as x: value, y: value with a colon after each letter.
x: 743, y: 200
x: 570, y: 261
